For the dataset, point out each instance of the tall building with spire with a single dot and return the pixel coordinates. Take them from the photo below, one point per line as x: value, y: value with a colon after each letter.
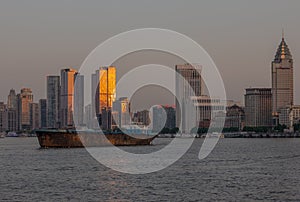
x: 282, y: 79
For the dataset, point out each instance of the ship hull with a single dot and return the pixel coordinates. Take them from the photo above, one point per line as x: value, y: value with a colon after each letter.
x: 60, y: 139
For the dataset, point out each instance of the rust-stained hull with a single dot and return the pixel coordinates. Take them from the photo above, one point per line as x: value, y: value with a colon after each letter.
x: 68, y: 139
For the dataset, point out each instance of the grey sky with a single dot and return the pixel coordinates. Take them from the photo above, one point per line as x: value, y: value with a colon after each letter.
x: 40, y: 37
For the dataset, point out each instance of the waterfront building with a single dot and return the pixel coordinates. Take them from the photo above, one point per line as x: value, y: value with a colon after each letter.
x: 258, y: 107
x: 141, y: 118
x: 2, y: 117
x: 188, y: 83
x: 106, y: 119
x: 68, y: 77
x: 88, y: 116
x: 121, y: 112
x: 282, y: 79
x: 163, y: 117
x: 171, y: 116
x: 11, y: 120
x: 103, y: 91
x: 34, y: 116
x: 289, y: 116
x: 235, y: 117
x: 53, y: 101
x: 159, y: 118
x: 23, y: 108
x: 79, y: 100
x: 43, y: 113
x: 209, y: 110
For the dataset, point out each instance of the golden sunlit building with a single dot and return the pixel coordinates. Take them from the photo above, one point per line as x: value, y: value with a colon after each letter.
x: 103, y: 90
x: 23, y: 111
x: 66, y: 96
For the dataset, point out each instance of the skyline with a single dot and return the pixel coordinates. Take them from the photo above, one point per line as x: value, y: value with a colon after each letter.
x: 241, y: 40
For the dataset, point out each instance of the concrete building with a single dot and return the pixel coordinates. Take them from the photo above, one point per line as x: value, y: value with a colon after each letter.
x: 88, y: 116
x: 11, y: 120
x: 23, y: 109
x: 158, y: 118
x: 79, y: 100
x: 2, y: 117
x: 188, y: 83
x: 121, y: 112
x: 106, y: 119
x: 282, y: 79
x: 12, y: 100
x: 53, y: 101
x: 43, y: 113
x: 205, y: 105
x: 163, y: 117
x: 141, y: 118
x: 258, y: 107
x: 289, y: 116
x: 34, y: 116
x: 171, y: 116
x: 235, y: 117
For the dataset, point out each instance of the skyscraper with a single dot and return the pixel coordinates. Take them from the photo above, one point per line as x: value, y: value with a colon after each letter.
x: 192, y: 75
x: 12, y: 99
x: 258, y: 107
x: 282, y: 78
x: 67, y: 96
x: 53, y: 101
x: 188, y: 84
x: 121, y: 109
x: 43, y: 113
x: 34, y: 116
x: 103, y: 90
x: 11, y: 111
x: 23, y: 108
x: 79, y: 100
x: 2, y: 117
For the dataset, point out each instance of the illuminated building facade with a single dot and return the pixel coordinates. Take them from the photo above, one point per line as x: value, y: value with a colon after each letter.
x: 68, y: 77
x: 23, y: 108
x: 103, y: 91
x: 121, y: 111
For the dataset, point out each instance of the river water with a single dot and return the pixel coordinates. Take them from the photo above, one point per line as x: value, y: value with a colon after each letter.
x: 236, y: 170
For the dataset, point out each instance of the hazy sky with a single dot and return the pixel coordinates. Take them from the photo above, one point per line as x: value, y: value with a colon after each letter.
x: 38, y: 38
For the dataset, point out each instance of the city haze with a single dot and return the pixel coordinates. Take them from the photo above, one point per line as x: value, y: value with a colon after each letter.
x: 40, y: 38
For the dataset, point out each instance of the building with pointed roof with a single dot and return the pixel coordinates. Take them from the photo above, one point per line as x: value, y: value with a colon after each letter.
x: 282, y: 79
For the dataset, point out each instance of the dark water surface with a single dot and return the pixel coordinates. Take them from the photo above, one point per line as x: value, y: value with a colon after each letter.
x: 236, y: 170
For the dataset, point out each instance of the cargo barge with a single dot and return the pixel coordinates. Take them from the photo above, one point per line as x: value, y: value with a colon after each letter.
x: 71, y: 139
